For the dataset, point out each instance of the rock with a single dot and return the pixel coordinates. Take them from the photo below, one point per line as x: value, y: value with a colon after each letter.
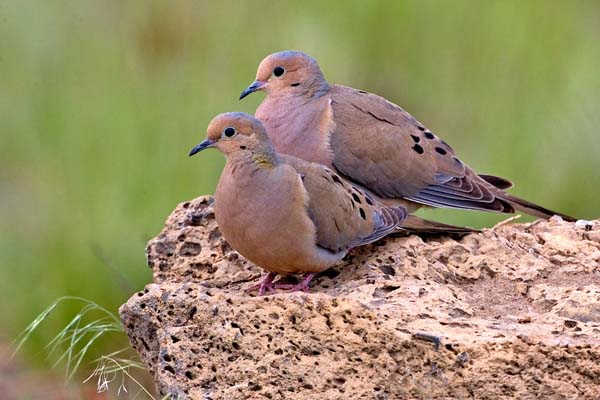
x: 507, y: 313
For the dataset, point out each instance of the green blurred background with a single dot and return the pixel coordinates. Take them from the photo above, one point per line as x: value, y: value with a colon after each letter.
x: 100, y: 102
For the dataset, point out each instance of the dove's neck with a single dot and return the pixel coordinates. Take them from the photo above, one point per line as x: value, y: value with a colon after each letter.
x: 311, y: 88
x: 265, y: 159
x: 257, y: 158
x: 263, y: 153
x: 300, y: 126
x: 315, y: 88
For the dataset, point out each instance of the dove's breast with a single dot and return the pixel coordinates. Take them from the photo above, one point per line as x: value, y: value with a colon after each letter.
x: 262, y: 214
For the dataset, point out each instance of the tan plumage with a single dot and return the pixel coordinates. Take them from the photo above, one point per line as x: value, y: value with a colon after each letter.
x: 371, y: 141
x: 285, y: 214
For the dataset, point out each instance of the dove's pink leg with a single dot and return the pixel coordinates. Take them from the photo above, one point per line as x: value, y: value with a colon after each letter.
x: 265, y: 285
x: 302, y: 286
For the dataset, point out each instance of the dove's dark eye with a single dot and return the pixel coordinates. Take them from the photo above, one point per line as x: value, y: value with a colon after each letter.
x: 229, y: 132
x: 278, y: 71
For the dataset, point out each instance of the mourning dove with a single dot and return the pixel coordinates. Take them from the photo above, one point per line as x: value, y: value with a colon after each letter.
x: 285, y: 214
x: 371, y: 141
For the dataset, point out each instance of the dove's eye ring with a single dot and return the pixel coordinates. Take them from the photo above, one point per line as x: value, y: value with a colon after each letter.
x: 278, y: 72
x: 229, y: 132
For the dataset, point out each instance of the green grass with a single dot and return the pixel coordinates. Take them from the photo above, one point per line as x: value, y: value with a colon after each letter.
x: 114, y: 373
x: 100, y: 102
x: 77, y: 337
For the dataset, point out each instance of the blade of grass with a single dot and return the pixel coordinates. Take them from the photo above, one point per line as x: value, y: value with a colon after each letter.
x: 78, y: 337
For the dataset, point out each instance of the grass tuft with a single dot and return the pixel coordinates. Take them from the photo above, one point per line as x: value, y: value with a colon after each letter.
x: 110, y: 369
x: 74, y: 341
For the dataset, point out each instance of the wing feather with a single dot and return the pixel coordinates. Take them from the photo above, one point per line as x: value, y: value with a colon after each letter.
x: 344, y: 215
x: 382, y: 147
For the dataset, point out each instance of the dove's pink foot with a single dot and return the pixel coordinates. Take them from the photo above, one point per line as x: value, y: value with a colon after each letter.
x: 303, y: 286
x: 263, y: 286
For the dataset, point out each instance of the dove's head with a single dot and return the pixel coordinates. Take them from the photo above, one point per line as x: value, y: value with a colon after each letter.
x: 237, y: 134
x: 287, y: 72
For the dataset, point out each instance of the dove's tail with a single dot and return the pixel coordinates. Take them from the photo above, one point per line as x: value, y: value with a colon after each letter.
x: 521, y: 204
x: 497, y: 181
x: 414, y: 224
x: 532, y: 208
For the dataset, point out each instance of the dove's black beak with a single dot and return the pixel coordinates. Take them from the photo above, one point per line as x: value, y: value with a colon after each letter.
x: 256, y: 85
x: 205, y: 144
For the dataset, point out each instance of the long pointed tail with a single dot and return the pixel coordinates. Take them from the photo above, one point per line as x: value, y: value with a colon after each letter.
x: 414, y: 224
x: 532, y: 208
x: 521, y: 204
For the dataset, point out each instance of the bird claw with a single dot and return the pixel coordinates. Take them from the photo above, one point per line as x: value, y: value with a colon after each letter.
x: 267, y: 285
x: 303, y: 286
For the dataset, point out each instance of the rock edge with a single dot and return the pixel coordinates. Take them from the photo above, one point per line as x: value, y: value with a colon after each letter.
x: 512, y: 312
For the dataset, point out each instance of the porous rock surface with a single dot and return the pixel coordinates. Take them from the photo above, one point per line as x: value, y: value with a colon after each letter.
x: 513, y: 312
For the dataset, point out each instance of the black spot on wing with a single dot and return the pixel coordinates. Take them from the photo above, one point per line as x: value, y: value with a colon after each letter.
x: 415, y: 138
x: 369, y: 200
x: 362, y: 213
x: 337, y: 179
x: 418, y: 149
x: 429, y: 135
x: 356, y: 198
x: 446, y: 144
x: 440, y: 150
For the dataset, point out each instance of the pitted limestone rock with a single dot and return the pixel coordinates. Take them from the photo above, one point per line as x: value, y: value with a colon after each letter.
x: 508, y: 313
